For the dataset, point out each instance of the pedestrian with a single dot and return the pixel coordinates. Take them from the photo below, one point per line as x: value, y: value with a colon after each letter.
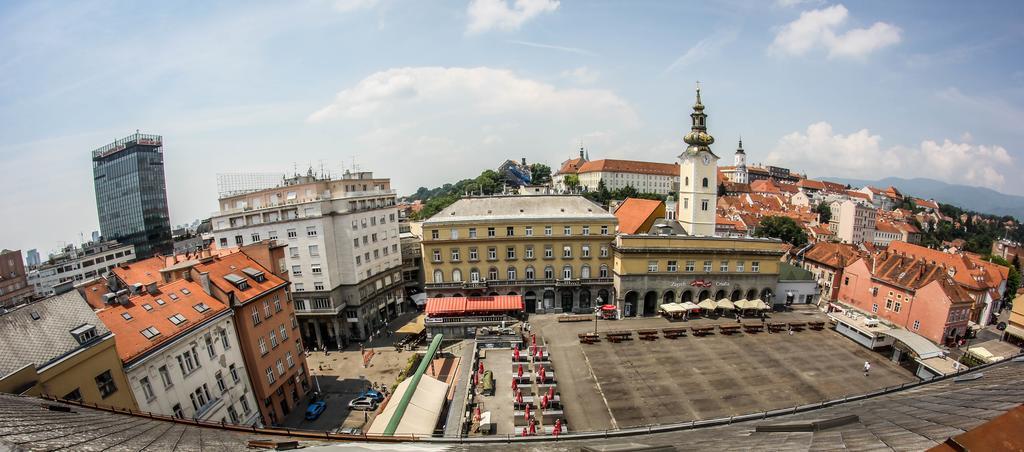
x: 867, y: 368
x: 737, y: 318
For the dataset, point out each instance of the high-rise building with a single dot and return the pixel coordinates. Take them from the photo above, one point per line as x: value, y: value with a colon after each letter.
x: 32, y: 258
x: 74, y: 265
x: 131, y: 193
x: 14, y: 287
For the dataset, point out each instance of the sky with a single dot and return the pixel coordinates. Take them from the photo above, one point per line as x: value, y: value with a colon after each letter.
x: 431, y: 92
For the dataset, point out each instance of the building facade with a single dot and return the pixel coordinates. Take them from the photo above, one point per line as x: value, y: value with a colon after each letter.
x: 698, y: 175
x: 827, y: 261
x: 645, y: 177
x: 179, y: 349
x: 58, y: 347
x: 14, y: 286
x: 131, y: 193
x: 554, y: 250
x: 852, y: 222
x: 32, y: 258
x: 651, y: 269
x: 343, y: 250
x: 74, y: 265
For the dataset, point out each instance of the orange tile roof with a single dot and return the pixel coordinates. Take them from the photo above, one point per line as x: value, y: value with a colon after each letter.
x: 630, y: 166
x: 968, y: 272
x: 128, y: 337
x: 835, y: 255
x: 857, y: 194
x: 632, y: 213
x: 764, y: 186
x: 927, y: 204
x: 143, y: 272
x: 234, y: 264
x: 570, y: 166
x: 811, y: 184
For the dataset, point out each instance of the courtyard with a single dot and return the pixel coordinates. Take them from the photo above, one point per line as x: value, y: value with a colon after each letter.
x: 617, y: 385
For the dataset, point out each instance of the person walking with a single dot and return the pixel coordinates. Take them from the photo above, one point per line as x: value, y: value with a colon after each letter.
x: 867, y: 368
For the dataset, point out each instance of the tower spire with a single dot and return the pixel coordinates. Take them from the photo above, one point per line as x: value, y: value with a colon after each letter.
x: 698, y: 138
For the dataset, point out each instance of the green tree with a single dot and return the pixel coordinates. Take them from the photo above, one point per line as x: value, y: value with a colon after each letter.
x: 489, y: 182
x: 824, y: 213
x: 1013, y: 278
x: 783, y: 228
x: 572, y: 181
x: 540, y: 174
x: 625, y: 192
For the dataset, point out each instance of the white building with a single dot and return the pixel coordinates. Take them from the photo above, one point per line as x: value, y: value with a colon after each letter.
x: 852, y: 222
x: 645, y: 177
x: 739, y: 174
x: 344, y: 255
x: 179, y: 349
x: 698, y: 168
x: 77, y: 264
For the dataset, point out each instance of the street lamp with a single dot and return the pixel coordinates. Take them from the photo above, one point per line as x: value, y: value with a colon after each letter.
x: 597, y: 312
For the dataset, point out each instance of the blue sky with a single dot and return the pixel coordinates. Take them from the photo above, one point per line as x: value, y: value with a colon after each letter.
x: 429, y: 92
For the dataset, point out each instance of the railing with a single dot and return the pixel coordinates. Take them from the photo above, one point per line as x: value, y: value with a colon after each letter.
x: 479, y: 319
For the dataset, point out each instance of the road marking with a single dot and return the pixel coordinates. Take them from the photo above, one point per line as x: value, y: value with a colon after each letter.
x: 615, y: 425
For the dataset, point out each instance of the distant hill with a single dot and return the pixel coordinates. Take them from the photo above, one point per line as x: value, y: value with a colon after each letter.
x: 978, y: 199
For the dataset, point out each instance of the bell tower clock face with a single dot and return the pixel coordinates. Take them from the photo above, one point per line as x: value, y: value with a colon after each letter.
x: 707, y: 159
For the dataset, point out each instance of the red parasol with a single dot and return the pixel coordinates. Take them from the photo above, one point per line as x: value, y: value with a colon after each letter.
x: 520, y: 371
x: 558, y: 427
x: 533, y: 340
x: 544, y: 402
x: 515, y: 354
x: 481, y: 367
x: 608, y: 307
x: 519, y: 396
x: 476, y: 414
x: 527, y: 414
x: 515, y: 385
x: 524, y: 431
x: 533, y: 428
x: 551, y: 392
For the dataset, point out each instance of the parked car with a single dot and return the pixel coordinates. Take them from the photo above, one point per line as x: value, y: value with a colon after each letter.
x: 363, y: 404
x: 373, y: 394
x: 315, y: 409
x: 349, y: 431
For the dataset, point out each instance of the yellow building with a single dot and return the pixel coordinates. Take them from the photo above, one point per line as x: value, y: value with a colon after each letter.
x: 59, y: 347
x: 666, y: 266
x: 1014, y: 332
x: 554, y: 250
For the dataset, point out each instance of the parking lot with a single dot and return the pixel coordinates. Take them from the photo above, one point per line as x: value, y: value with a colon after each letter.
x: 638, y: 382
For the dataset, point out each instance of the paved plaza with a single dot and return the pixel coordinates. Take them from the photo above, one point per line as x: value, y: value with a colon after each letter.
x: 638, y: 382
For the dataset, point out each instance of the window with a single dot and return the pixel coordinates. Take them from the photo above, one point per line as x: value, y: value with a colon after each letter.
x: 472, y: 233
x: 188, y: 361
x: 511, y: 273
x: 224, y: 338
x: 755, y: 266
x: 200, y: 397
x: 888, y: 304
x: 280, y: 367
x: 165, y: 376
x: 314, y: 250
x: 437, y: 255
x: 297, y: 270
x: 161, y: 302
x: 238, y: 240
x: 255, y: 314
x: 263, y: 346
x: 270, y: 376
x: 917, y: 324
x: 704, y: 183
x: 723, y: 266
x: 672, y: 266
x: 652, y: 266
x: 434, y: 234
x: 707, y: 266
x: 150, y: 332
x: 547, y: 230
x: 177, y: 319
x: 177, y: 411
x: 490, y: 232
x: 529, y: 251
x: 74, y: 396
x: 874, y: 307
x: 233, y: 414
x: 455, y: 234
x: 147, y: 306
x: 510, y: 252
x: 567, y: 272
x: 897, y: 307
x: 603, y: 272
x: 473, y: 256
x: 311, y: 231
x: 273, y: 339
x: 245, y: 405
x: 529, y: 273
x: 585, y: 272
x: 272, y: 235
x: 284, y: 332
x: 604, y: 251
x: 492, y: 253
x: 355, y: 242
x: 704, y: 204
x: 549, y: 272
x: 455, y: 254
x: 567, y: 251
x: 210, y: 350
x: 529, y: 231
x: 690, y: 266
x: 492, y: 273
x: 739, y: 266
x: 604, y: 230
x: 277, y: 304
x: 126, y: 316
x: 147, y: 389
x: 201, y: 307
x: 456, y: 275
x: 292, y: 234
x: 315, y: 269
x: 438, y: 276
x: 220, y: 382
x: 255, y: 237
x: 549, y: 252
x: 105, y: 383
x: 567, y: 230
x: 289, y: 359
x: 510, y: 231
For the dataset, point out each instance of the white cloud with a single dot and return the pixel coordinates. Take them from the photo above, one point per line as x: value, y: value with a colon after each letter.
x: 792, y: 3
x: 345, y: 6
x: 994, y: 110
x: 582, y: 75
x: 485, y: 15
x: 821, y: 152
x: 819, y: 28
x: 553, y: 47
x: 704, y: 47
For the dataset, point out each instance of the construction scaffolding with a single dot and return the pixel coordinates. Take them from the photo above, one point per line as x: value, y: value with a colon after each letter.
x: 233, y: 184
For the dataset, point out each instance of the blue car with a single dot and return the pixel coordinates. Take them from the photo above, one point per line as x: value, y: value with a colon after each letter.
x: 373, y: 394
x: 314, y: 410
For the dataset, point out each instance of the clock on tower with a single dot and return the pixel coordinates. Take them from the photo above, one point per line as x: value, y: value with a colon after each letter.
x: 698, y: 176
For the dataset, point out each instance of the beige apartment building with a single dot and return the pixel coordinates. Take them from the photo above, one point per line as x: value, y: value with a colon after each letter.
x: 852, y: 222
x: 554, y: 250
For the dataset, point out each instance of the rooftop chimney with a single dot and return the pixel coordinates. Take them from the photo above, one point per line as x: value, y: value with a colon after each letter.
x: 204, y: 281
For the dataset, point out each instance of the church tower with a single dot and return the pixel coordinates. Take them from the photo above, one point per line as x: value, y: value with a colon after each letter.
x: 740, y: 160
x: 698, y: 176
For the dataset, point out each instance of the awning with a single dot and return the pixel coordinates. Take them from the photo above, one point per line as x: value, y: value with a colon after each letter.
x: 608, y: 307
x: 760, y: 304
x: 744, y: 304
x: 419, y: 298
x: 689, y: 306
x: 672, y: 308
x: 473, y: 305
x: 707, y: 304
x: 922, y: 347
x: 1015, y: 331
x: 724, y: 303
x: 413, y: 327
x: 422, y: 413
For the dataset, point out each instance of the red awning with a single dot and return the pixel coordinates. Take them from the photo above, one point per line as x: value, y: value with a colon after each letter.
x: 476, y: 305
x: 608, y: 307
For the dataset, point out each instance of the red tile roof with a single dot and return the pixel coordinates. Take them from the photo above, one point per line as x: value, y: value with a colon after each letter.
x: 570, y: 166
x: 968, y: 272
x: 926, y: 204
x: 630, y: 166
x: 143, y: 272
x: 128, y: 335
x: 220, y: 267
x: 452, y: 306
x: 633, y: 213
x: 835, y: 255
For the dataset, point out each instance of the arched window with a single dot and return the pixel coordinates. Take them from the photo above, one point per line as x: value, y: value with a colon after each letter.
x: 474, y: 275
x: 704, y: 183
x: 585, y: 272
x: 529, y: 273
x: 603, y: 271
x: 567, y: 272
x: 686, y: 181
x: 438, y: 276
x: 492, y: 273
x: 549, y: 272
x: 456, y: 275
x: 511, y: 273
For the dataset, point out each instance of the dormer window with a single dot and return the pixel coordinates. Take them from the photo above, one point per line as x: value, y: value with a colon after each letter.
x: 255, y: 274
x: 150, y: 332
x: 160, y: 302
x: 177, y: 319
x: 84, y: 334
x: 147, y: 307
x: 126, y: 316
x: 201, y: 307
x: 186, y: 291
x: 174, y: 296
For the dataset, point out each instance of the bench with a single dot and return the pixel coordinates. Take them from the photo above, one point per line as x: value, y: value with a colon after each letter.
x: 672, y: 333
x: 816, y: 325
x: 797, y: 326
x: 575, y: 318
x: 729, y: 329
x: 775, y: 327
x: 618, y: 336
x: 752, y: 327
x: 589, y: 338
x: 702, y: 330
x: 648, y: 334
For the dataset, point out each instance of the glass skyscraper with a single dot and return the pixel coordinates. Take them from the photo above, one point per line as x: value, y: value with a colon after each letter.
x: 131, y: 193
